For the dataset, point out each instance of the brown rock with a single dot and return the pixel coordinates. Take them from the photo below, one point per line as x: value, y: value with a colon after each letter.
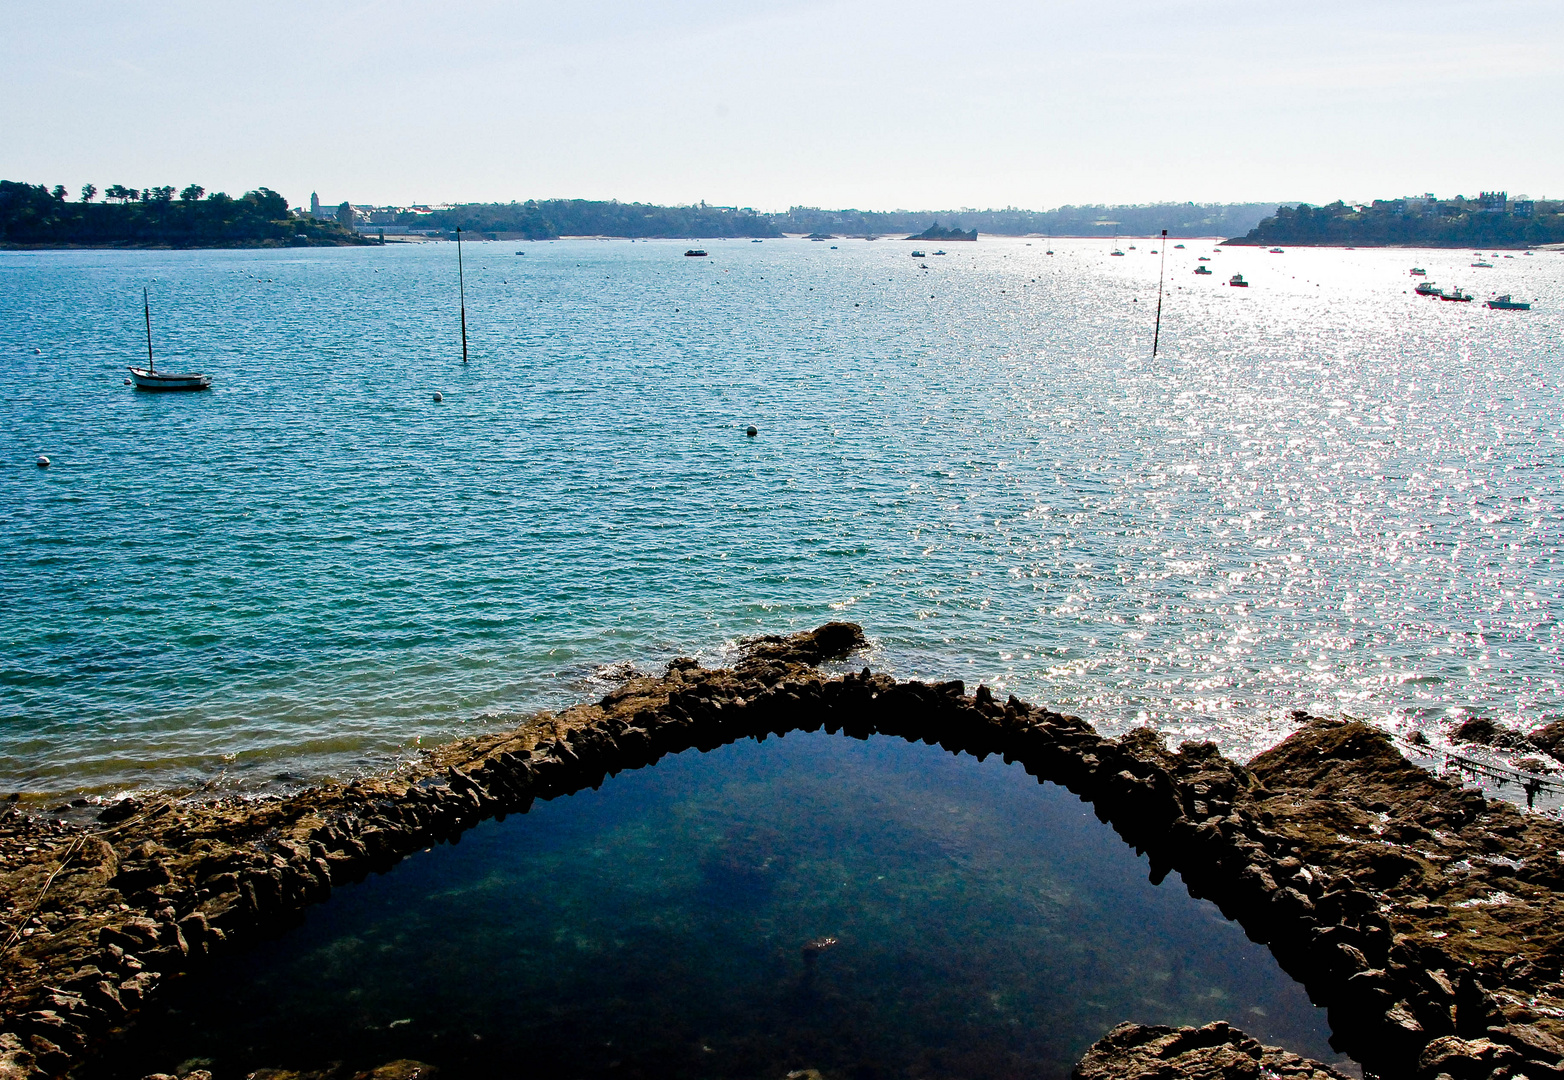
x: 403, y: 1069
x: 1215, y: 1052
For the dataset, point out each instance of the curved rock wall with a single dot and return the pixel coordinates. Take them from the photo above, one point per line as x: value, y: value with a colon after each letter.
x: 1426, y: 917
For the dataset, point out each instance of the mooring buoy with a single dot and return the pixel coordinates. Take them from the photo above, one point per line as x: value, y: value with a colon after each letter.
x: 438, y: 396
x: 751, y: 432
x: 43, y: 462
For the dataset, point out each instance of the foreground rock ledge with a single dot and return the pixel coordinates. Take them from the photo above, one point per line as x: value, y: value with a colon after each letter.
x: 1428, y: 918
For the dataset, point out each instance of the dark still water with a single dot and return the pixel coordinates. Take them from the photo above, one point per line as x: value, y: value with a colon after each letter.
x: 985, y: 926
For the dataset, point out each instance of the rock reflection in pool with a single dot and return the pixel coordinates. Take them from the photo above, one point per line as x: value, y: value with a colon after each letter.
x: 674, y: 923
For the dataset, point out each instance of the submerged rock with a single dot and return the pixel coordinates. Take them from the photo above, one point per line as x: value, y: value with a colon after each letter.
x: 1214, y: 1052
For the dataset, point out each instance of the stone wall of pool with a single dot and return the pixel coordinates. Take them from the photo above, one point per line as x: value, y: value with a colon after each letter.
x: 1426, y: 917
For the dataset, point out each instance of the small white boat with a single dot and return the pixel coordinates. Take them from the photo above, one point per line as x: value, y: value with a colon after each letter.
x: 1504, y: 303
x: 1277, y: 251
x: 1484, y: 264
x: 917, y: 255
x: 1418, y: 271
x: 149, y: 378
x: 1237, y: 281
x: 1202, y: 269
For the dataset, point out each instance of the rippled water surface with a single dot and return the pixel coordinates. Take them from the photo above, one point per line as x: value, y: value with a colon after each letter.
x: 984, y: 927
x: 1326, y: 493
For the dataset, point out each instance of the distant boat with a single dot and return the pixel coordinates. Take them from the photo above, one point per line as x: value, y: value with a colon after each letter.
x: 1205, y: 258
x: 1483, y: 264
x: 1115, y: 251
x: 695, y: 253
x: 917, y: 254
x: 1504, y: 303
x: 1426, y: 288
x: 1418, y: 271
x: 1132, y: 247
x: 1456, y: 295
x: 1277, y: 251
x: 1202, y: 270
x: 148, y: 378
x: 1237, y: 280
x: 1178, y: 247
x: 757, y: 241
x: 939, y: 253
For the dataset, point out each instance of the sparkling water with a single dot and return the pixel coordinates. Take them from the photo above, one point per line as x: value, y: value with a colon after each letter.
x: 1324, y: 492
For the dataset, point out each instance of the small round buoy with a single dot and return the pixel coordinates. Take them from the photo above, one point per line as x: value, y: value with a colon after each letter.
x: 43, y: 462
x: 751, y: 432
x: 127, y: 382
x: 438, y: 396
x: 37, y: 352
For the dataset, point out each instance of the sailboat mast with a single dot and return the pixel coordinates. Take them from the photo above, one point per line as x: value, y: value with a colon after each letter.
x: 1157, y: 337
x: 461, y: 279
x: 146, y: 310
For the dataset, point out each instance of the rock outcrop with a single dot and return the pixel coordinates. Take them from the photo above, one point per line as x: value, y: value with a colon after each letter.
x: 1425, y: 916
x: 1214, y: 1052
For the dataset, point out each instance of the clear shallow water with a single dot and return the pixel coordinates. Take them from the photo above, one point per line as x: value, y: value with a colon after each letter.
x: 987, y: 927
x: 1326, y: 493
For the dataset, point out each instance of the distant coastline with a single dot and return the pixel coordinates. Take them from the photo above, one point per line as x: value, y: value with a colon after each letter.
x: 33, y: 217
x: 1492, y: 220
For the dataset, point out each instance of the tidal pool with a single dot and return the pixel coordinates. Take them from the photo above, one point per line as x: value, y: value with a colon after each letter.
x: 679, y: 922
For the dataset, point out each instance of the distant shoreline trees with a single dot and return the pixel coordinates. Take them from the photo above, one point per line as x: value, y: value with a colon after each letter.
x: 33, y: 216
x: 548, y: 219
x: 1490, y: 221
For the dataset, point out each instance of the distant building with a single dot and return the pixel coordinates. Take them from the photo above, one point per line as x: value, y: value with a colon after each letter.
x: 1494, y: 202
x: 314, y: 205
x: 1523, y: 207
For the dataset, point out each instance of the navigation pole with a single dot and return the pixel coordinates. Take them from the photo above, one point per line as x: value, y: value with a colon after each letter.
x: 1157, y: 337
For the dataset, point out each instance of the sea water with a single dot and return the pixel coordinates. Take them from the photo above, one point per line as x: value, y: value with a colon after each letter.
x: 966, y: 922
x: 1323, y: 493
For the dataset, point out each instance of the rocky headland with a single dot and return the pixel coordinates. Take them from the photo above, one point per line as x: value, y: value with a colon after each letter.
x: 1426, y: 917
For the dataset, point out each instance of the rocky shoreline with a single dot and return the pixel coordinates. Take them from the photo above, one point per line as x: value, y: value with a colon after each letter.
x: 1426, y: 917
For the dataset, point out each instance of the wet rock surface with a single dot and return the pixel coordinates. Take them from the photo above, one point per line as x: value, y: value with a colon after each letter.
x: 1425, y: 916
x: 1214, y: 1052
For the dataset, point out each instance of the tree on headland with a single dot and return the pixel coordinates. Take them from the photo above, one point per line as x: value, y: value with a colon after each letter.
x: 58, y: 193
x: 31, y: 215
x: 88, y: 192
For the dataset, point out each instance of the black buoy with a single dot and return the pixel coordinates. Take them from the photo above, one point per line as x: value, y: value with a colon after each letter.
x: 751, y: 432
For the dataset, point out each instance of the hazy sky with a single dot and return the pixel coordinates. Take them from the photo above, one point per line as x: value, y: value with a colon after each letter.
x: 865, y: 103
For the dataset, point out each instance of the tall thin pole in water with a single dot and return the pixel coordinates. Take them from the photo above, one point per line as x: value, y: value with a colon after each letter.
x: 146, y: 310
x: 461, y: 280
x: 1157, y: 337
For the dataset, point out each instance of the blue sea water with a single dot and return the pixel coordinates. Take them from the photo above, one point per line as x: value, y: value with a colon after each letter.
x: 1324, y: 493
x: 984, y: 928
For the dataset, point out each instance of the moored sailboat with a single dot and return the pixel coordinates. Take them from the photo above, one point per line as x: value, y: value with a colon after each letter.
x: 149, y: 378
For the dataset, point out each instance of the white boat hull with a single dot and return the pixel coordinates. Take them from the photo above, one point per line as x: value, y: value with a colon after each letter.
x: 144, y: 379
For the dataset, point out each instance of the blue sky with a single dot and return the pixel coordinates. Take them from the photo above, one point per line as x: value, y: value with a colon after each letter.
x: 863, y: 103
